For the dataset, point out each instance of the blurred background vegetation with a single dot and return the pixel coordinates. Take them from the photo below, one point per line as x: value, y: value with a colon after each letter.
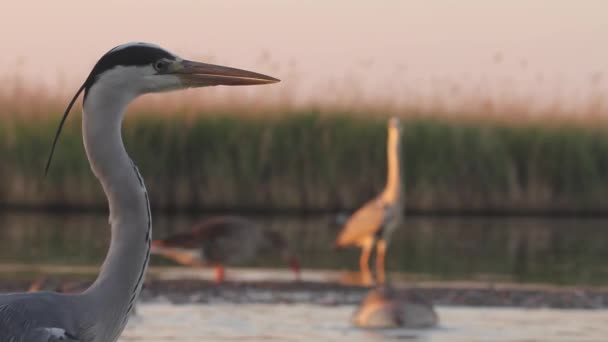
x: 318, y: 160
x: 470, y: 171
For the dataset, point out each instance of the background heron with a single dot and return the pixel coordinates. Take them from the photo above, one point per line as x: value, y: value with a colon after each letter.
x: 100, y: 313
x: 224, y: 240
x: 372, y: 225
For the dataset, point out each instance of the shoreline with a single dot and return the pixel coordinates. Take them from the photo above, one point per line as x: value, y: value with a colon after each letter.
x: 60, y: 209
x: 332, y: 294
x: 178, y: 285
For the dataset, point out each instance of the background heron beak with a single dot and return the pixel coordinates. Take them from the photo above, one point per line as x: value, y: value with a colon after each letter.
x: 195, y: 74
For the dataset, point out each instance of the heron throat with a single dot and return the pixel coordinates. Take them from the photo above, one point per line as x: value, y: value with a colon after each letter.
x: 120, y: 280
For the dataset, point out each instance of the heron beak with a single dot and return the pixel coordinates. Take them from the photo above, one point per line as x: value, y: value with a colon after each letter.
x: 195, y: 74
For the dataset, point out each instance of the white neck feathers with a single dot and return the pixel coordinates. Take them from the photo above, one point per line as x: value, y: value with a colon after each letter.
x: 121, y: 276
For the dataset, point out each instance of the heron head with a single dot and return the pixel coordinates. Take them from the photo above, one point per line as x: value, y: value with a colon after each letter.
x: 140, y: 68
x: 133, y: 69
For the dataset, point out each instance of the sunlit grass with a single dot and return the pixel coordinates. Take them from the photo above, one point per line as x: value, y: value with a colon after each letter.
x: 251, y: 148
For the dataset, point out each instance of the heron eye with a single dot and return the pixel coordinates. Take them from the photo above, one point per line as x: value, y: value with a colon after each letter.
x: 160, y: 65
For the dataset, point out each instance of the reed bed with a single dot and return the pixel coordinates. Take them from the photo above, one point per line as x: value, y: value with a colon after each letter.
x: 253, y: 148
x: 307, y: 160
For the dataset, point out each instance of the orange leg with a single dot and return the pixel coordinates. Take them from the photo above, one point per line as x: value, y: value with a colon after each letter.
x: 38, y: 284
x: 366, y: 274
x: 219, y: 273
x: 380, y: 252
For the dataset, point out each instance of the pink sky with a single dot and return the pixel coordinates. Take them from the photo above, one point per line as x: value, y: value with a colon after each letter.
x: 384, y: 49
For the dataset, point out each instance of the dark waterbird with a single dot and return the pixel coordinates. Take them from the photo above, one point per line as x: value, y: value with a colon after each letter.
x: 223, y: 240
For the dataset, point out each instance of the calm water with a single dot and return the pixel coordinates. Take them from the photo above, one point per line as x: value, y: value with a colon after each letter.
x: 521, y: 249
x: 524, y: 249
x: 253, y: 322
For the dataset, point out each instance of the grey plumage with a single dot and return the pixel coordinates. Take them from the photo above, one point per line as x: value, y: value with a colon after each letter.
x: 39, y: 317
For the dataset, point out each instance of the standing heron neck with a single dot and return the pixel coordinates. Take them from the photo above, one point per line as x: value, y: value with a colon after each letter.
x: 114, y: 292
x: 393, y: 189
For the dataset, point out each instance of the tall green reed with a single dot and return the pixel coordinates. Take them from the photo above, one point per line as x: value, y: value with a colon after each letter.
x: 307, y: 160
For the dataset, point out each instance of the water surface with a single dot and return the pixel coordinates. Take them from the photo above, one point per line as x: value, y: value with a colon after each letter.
x: 301, y: 322
x: 552, y: 250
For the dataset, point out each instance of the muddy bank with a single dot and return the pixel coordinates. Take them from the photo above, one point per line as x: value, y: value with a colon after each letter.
x: 336, y: 294
x: 180, y: 291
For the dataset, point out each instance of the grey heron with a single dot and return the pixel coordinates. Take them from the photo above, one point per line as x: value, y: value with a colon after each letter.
x: 222, y: 240
x: 373, y: 224
x: 100, y: 313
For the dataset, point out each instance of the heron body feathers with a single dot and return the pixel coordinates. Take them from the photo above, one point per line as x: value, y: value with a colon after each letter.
x: 363, y: 224
x: 39, y: 318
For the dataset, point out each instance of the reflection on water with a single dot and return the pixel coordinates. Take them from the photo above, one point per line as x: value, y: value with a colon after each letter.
x: 524, y: 249
x: 259, y: 322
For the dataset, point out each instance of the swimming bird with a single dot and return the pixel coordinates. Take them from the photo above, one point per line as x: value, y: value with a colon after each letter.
x: 222, y: 240
x: 100, y: 313
x: 385, y: 307
x: 373, y: 224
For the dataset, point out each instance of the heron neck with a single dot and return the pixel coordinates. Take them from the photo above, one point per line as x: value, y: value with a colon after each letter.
x: 119, y: 283
x: 393, y: 189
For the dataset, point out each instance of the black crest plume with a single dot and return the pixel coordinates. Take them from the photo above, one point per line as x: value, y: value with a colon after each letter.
x: 65, y: 115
